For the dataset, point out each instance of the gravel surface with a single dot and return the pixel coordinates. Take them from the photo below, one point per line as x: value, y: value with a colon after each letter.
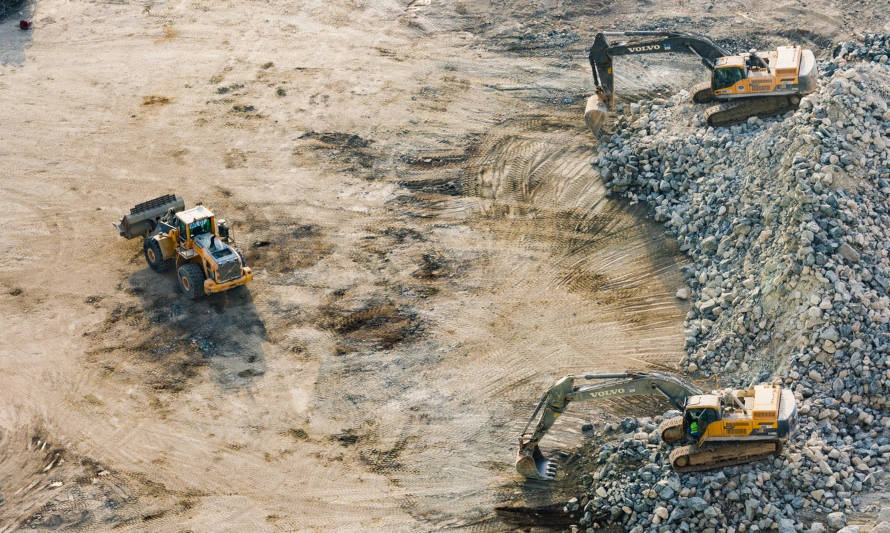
x: 786, y: 222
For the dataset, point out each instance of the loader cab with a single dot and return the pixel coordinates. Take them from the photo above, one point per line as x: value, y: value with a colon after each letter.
x: 193, y: 222
x: 727, y: 72
x: 700, y: 412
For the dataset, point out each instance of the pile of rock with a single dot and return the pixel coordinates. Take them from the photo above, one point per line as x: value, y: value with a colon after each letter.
x: 787, y: 224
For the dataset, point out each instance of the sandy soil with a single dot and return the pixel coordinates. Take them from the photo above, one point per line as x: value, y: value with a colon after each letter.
x: 409, y: 180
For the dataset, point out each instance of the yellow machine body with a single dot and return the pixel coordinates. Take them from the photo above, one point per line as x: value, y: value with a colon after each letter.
x: 179, y: 243
x: 756, y: 415
x: 742, y: 78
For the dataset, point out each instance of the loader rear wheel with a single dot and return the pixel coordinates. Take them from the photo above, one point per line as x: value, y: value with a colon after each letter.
x: 154, y: 257
x: 191, y: 280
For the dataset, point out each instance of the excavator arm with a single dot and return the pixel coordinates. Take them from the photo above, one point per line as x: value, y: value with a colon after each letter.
x: 653, y: 42
x: 531, y: 462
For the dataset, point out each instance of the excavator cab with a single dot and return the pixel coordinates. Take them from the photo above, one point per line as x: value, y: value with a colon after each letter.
x: 726, y: 77
x: 696, y: 420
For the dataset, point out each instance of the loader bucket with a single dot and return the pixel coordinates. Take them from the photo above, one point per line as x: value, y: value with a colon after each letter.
x: 532, y: 464
x: 595, y: 113
x: 142, y: 219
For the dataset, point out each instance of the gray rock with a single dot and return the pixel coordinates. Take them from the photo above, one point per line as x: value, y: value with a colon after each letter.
x: 848, y: 253
x: 709, y: 244
x: 666, y: 492
x: 836, y: 520
x: 696, y: 504
x: 786, y: 525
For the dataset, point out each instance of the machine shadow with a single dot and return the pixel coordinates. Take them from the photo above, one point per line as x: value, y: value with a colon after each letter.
x: 221, y: 331
x: 13, y: 40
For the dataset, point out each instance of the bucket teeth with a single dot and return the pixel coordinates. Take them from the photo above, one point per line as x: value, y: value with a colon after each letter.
x: 533, y: 465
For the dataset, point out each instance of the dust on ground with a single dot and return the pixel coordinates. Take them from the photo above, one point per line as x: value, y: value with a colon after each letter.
x: 410, y: 182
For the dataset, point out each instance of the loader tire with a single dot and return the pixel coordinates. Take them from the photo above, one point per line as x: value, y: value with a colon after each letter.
x: 154, y: 257
x: 191, y: 280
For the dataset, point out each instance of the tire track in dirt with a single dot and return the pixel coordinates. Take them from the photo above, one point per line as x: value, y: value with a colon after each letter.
x: 560, y: 280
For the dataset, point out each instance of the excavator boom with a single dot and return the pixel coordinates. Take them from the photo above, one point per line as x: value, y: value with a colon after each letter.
x: 602, y: 52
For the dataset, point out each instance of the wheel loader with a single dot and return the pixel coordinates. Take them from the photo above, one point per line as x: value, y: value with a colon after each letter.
x: 744, y: 85
x: 717, y: 429
x: 193, y: 240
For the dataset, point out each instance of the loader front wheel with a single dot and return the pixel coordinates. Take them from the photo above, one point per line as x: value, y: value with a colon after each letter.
x: 191, y: 280
x: 154, y: 257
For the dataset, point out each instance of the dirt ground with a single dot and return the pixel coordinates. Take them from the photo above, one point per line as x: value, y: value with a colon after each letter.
x: 411, y: 183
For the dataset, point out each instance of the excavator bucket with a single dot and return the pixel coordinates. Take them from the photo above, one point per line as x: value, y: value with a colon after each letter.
x: 143, y: 218
x: 532, y: 464
x: 595, y: 113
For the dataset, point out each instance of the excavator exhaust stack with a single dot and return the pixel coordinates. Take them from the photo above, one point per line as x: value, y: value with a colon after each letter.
x: 595, y: 113
x: 532, y: 464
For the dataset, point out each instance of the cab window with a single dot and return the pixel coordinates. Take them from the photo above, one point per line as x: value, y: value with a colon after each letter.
x: 199, y: 227
x: 182, y: 232
x: 725, y: 77
x: 697, y: 420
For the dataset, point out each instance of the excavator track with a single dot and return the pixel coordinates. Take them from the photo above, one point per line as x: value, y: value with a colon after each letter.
x: 736, y: 112
x: 701, y: 93
x: 695, y: 459
x: 671, y: 430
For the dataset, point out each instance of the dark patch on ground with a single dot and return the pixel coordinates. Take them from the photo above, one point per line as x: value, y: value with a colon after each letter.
x: 449, y: 186
x: 298, y: 434
x: 229, y: 88
x: 155, y: 100
x: 383, y: 461
x: 551, y: 516
x: 383, y: 242
x: 69, y: 491
x: 166, y: 341
x: 246, y: 111
x: 346, y: 437
x: 286, y: 247
x: 348, y: 149
x: 402, y: 234
x: 531, y: 42
x: 375, y: 324
x: 338, y: 139
x: 434, y: 160
x: 434, y: 265
x: 801, y: 35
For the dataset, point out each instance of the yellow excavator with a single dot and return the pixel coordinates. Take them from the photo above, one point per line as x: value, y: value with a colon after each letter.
x: 744, y: 85
x: 721, y: 428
